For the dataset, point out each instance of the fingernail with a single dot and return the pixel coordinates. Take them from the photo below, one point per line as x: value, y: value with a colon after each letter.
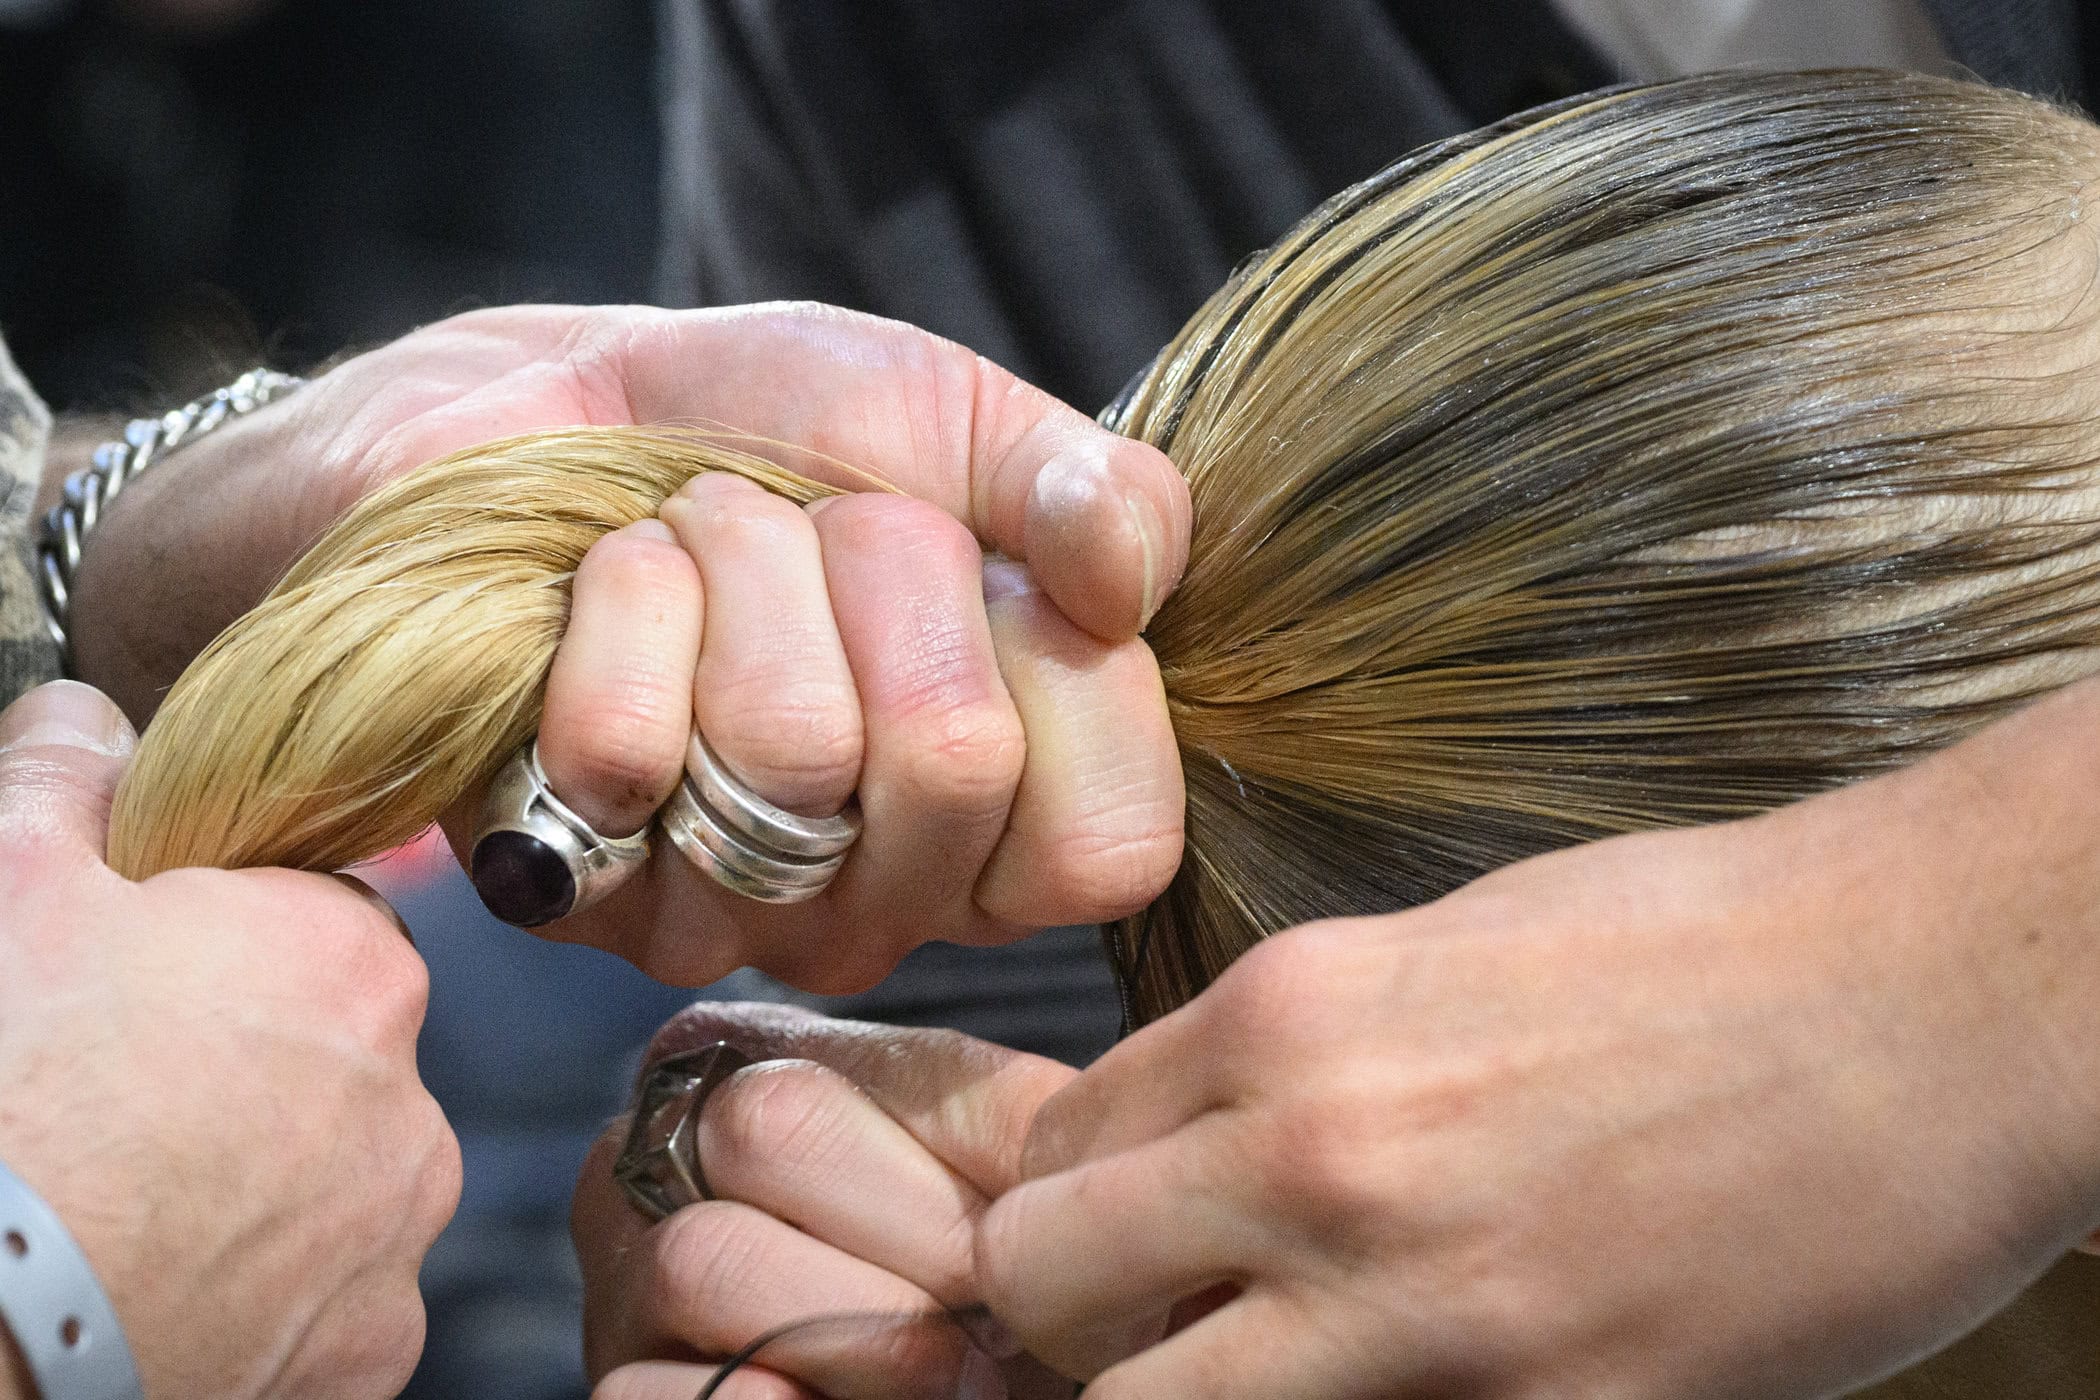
x: 1077, y: 491
x: 652, y: 529
x: 1003, y: 578
x: 1152, y: 543
x: 819, y: 505
x: 980, y: 1379
x: 1070, y: 482
x: 71, y: 715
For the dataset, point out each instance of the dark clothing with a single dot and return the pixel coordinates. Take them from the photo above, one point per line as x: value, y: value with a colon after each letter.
x: 1058, y: 185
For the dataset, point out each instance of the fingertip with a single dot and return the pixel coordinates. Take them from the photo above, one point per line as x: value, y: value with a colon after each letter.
x: 64, y: 748
x: 67, y: 714
x: 1106, y: 529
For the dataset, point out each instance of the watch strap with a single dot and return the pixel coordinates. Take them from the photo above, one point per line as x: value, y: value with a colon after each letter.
x: 53, y: 1306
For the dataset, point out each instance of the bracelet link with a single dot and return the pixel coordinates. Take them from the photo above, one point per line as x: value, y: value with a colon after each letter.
x: 89, y: 491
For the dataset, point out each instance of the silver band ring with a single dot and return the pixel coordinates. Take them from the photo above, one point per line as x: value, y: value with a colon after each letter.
x: 534, y: 859
x: 745, y: 843
x: 659, y: 1165
x: 768, y: 827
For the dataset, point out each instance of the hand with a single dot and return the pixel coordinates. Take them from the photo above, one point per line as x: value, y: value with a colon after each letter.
x: 1764, y: 1110
x: 848, y: 1168
x: 197, y: 541
x: 1012, y: 770
x: 1012, y: 756
x: 211, y: 1077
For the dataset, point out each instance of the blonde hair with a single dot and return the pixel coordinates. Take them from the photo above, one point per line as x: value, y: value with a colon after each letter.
x: 401, y: 660
x: 1650, y: 459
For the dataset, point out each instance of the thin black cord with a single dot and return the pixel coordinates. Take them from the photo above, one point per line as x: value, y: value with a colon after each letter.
x: 964, y: 1320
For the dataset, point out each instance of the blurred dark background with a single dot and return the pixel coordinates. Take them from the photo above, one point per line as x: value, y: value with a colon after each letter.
x: 187, y: 186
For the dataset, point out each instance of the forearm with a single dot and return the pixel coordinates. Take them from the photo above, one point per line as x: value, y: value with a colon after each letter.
x: 1988, y: 856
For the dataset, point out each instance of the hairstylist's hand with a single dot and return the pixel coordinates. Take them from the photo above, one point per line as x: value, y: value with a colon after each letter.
x: 197, y: 540
x: 1012, y: 758
x: 1012, y: 770
x: 1761, y: 1110
x: 211, y: 1078
x: 849, y: 1168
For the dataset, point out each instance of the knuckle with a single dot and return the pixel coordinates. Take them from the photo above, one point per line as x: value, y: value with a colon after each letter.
x: 877, y: 523
x: 399, y: 980
x: 1100, y: 875
x: 1262, y: 990
x: 375, y: 976
x: 443, y: 1174
x: 380, y: 1354
x: 1271, y: 984
x: 406, y: 1322
x: 648, y: 568
x: 736, y: 512
x: 966, y: 758
x: 772, y: 1111
x: 1327, y: 1164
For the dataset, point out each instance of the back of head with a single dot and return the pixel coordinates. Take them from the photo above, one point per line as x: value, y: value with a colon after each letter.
x: 1651, y: 459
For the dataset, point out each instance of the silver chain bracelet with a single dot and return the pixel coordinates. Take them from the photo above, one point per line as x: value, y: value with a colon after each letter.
x: 89, y: 491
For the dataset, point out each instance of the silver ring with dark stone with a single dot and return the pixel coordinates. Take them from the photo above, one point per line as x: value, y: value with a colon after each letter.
x: 534, y: 859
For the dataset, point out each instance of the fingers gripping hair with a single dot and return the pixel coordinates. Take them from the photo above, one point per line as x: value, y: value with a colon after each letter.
x: 401, y: 660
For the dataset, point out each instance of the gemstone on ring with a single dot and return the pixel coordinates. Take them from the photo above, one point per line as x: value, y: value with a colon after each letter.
x: 534, y: 860
x: 523, y: 880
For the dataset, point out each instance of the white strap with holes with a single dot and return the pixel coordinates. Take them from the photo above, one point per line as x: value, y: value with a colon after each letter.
x: 52, y: 1305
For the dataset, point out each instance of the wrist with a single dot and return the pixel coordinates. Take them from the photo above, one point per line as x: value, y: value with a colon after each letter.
x: 64, y: 1332
x: 153, y: 577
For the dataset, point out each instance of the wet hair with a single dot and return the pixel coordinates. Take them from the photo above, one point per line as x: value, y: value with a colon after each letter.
x: 1652, y: 459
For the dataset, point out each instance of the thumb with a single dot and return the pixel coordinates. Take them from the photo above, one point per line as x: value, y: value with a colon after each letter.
x: 63, y: 746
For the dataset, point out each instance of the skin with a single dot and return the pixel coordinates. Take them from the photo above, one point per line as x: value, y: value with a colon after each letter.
x: 1641, y: 1118
x: 960, y: 710
x: 211, y: 1078
x: 1011, y: 754
x: 850, y: 1169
